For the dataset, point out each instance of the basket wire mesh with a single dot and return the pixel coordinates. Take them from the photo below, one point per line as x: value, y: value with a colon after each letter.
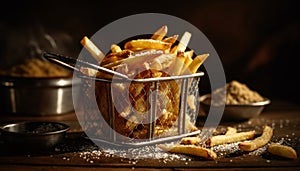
x: 146, y: 121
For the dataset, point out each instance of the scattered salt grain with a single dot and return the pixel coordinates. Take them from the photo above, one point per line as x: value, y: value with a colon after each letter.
x: 133, y: 154
x: 258, y: 151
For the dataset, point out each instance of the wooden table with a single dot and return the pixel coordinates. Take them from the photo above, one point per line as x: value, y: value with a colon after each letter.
x: 75, y: 152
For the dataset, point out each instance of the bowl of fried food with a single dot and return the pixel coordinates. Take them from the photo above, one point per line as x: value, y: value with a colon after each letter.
x: 36, y: 87
x: 241, y: 103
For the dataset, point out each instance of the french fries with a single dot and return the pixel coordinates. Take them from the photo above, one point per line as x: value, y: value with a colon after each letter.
x: 282, y: 150
x: 174, y: 60
x: 190, y: 150
x: 231, y: 138
x: 259, y: 141
x: 92, y: 48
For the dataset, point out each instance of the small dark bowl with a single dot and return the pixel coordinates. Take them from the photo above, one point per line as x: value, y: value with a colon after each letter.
x: 34, y: 134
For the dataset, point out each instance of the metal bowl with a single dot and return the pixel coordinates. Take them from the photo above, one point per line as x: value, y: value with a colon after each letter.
x: 34, y: 134
x: 37, y: 96
x: 235, y: 112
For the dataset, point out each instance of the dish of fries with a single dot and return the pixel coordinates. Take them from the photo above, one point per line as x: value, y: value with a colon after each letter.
x: 157, y: 63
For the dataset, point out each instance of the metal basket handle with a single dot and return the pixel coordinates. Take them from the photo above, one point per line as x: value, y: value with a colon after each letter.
x: 70, y: 63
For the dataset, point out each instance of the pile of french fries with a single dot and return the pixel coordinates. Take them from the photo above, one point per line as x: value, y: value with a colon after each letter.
x: 246, y: 141
x: 157, y: 56
x: 170, y: 56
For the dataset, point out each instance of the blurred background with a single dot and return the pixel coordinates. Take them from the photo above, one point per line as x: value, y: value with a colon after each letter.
x: 257, y: 41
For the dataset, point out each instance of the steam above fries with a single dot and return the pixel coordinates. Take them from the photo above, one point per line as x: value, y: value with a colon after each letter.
x: 174, y: 59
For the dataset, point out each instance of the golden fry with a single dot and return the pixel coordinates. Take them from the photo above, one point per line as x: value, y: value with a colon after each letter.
x: 115, y: 48
x: 160, y: 33
x: 190, y: 140
x: 191, y: 150
x: 178, y: 64
x: 282, y: 150
x: 189, y: 54
x: 92, y: 48
x: 187, y: 61
x: 184, y: 41
x: 142, y: 44
x: 174, y: 49
x: 224, y: 139
x: 196, y: 63
x: 116, y: 56
x: 259, y: 141
x: 230, y: 130
x: 171, y: 39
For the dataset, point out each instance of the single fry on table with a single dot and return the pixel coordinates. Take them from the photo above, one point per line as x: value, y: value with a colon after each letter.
x: 231, y: 138
x: 259, y: 141
x: 282, y: 150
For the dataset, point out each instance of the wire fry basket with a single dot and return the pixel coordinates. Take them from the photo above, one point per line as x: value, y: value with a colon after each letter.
x: 133, y: 112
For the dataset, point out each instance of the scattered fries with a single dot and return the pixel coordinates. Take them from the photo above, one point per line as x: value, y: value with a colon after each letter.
x: 193, y: 146
x: 282, y: 150
x: 190, y: 150
x: 225, y: 139
x: 259, y: 141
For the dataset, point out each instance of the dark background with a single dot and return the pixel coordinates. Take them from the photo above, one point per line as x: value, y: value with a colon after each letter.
x: 257, y: 41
